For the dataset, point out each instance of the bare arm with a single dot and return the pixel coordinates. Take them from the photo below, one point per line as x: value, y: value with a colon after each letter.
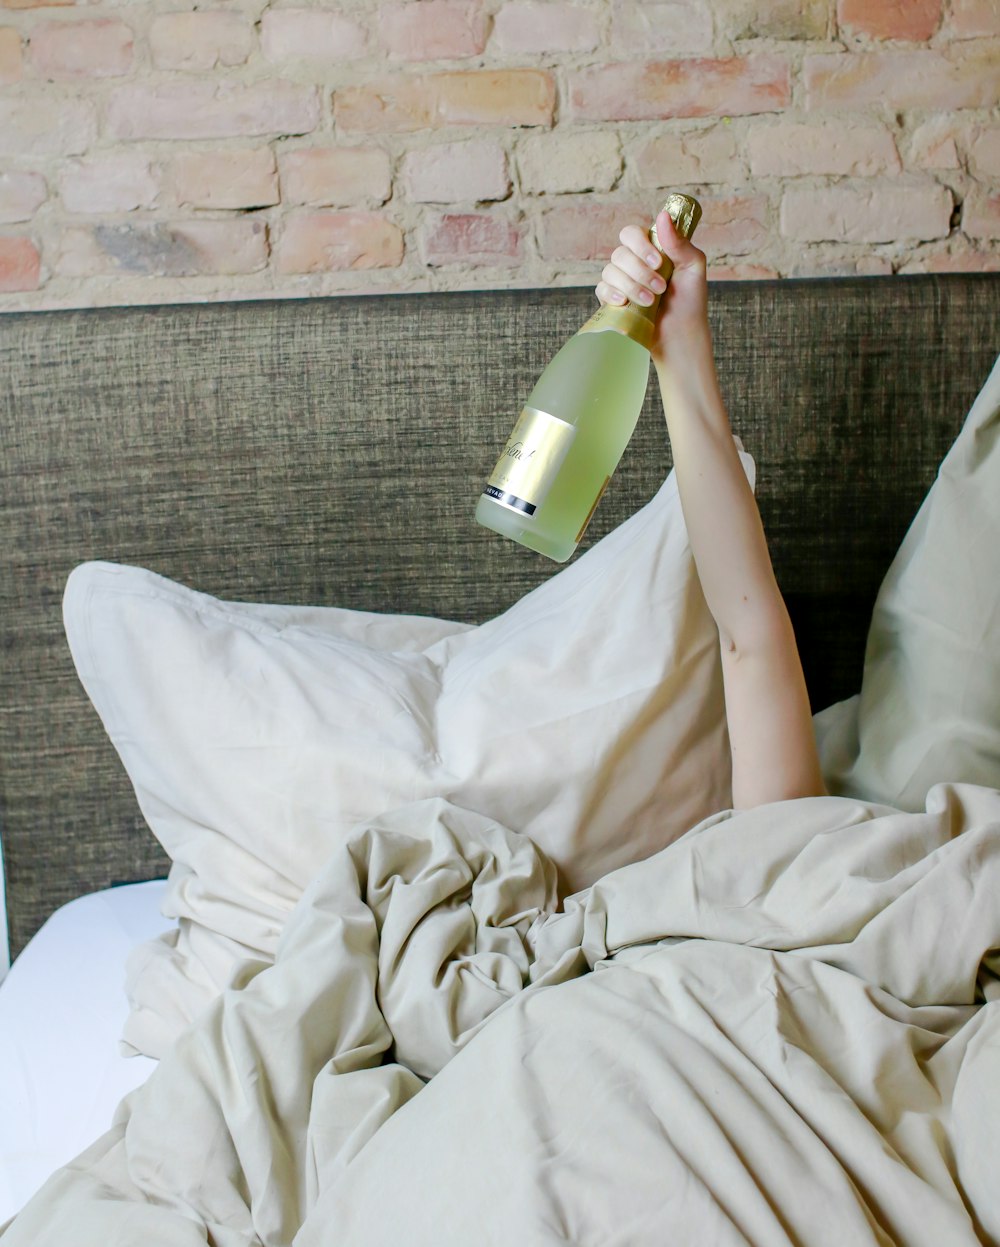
x: 767, y: 706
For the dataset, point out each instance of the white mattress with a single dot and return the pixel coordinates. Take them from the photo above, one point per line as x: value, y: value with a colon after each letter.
x: 62, y: 1007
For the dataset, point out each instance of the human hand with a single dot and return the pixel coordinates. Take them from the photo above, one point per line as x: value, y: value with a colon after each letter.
x: 636, y: 270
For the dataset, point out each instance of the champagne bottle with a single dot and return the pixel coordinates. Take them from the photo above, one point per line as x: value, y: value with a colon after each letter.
x: 577, y: 421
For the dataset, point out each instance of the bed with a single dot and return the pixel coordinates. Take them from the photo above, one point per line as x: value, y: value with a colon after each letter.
x: 273, y: 702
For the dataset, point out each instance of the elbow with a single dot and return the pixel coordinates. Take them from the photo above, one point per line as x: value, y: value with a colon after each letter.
x: 762, y: 626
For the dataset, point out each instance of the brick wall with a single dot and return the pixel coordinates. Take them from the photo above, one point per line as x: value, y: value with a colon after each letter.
x: 172, y: 150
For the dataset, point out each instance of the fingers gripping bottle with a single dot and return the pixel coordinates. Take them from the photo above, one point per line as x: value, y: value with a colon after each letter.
x: 577, y: 421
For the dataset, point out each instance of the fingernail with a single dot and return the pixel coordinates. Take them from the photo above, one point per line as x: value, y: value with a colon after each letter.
x: 655, y: 259
x: 645, y: 296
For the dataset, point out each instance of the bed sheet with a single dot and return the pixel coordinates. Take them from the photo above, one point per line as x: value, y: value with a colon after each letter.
x: 783, y: 1028
x: 62, y: 1008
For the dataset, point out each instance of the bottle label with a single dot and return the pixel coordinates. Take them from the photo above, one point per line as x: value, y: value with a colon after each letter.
x: 530, y: 461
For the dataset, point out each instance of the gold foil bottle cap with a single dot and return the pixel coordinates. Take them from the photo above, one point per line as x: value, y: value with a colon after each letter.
x: 684, y: 211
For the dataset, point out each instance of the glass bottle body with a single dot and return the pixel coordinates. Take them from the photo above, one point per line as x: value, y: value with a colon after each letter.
x: 596, y: 383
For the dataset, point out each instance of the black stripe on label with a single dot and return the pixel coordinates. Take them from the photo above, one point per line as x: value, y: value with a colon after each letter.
x: 510, y: 500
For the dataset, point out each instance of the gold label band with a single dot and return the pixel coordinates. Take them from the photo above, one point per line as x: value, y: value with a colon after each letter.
x: 530, y: 461
x: 628, y: 320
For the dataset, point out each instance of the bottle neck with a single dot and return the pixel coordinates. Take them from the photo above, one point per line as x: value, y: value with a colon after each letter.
x: 634, y: 320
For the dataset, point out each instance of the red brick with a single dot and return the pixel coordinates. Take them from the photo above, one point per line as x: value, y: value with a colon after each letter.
x: 335, y: 176
x: 792, y: 148
x: 200, y: 40
x: 971, y: 18
x: 873, y: 266
x: 583, y: 230
x: 11, y: 60
x: 870, y: 214
x: 322, y: 242
x: 432, y: 30
x: 770, y: 19
x: 689, y: 88
x: 226, y: 179
x: 209, y: 110
x: 732, y: 225
x: 933, y: 145
x: 165, y: 249
x: 915, y: 20
x: 44, y: 125
x: 741, y: 272
x: 471, y: 238
x: 311, y: 35
x: 474, y: 170
x: 643, y: 28
x: 93, y: 48
x: 114, y: 181
x: 504, y: 97
x: 984, y: 151
x: 837, y: 261
x: 36, y: 4
x: 735, y: 225
x: 981, y: 213
x: 20, y: 265
x: 957, y: 261
x: 961, y: 76
x: 21, y: 195
x: 528, y: 27
x: 706, y: 154
x: 561, y: 162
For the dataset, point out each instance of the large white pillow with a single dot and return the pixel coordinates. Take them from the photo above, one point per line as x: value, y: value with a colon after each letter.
x: 929, y: 707
x: 590, y: 716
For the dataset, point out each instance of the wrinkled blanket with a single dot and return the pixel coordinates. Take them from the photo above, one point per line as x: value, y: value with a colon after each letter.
x: 780, y: 1029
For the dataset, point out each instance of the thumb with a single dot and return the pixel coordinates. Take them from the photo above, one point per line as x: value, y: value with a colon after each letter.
x: 681, y: 252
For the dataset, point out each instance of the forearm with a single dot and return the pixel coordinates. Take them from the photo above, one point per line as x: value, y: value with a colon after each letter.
x: 723, y: 523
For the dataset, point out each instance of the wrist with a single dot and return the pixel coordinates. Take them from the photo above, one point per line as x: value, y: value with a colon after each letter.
x: 689, y: 342
x: 689, y: 390
x: 686, y: 361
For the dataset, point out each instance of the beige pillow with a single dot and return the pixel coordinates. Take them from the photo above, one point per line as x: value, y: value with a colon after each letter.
x: 589, y: 716
x: 929, y: 707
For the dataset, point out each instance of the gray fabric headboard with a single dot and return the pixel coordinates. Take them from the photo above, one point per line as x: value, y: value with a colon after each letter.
x: 331, y: 451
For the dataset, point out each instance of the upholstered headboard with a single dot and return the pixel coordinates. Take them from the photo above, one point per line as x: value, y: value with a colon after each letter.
x: 331, y: 451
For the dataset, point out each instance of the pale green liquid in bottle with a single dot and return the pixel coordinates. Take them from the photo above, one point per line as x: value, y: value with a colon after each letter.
x: 597, y: 382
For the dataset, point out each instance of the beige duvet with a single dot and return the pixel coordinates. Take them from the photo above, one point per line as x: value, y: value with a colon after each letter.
x: 777, y: 1030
